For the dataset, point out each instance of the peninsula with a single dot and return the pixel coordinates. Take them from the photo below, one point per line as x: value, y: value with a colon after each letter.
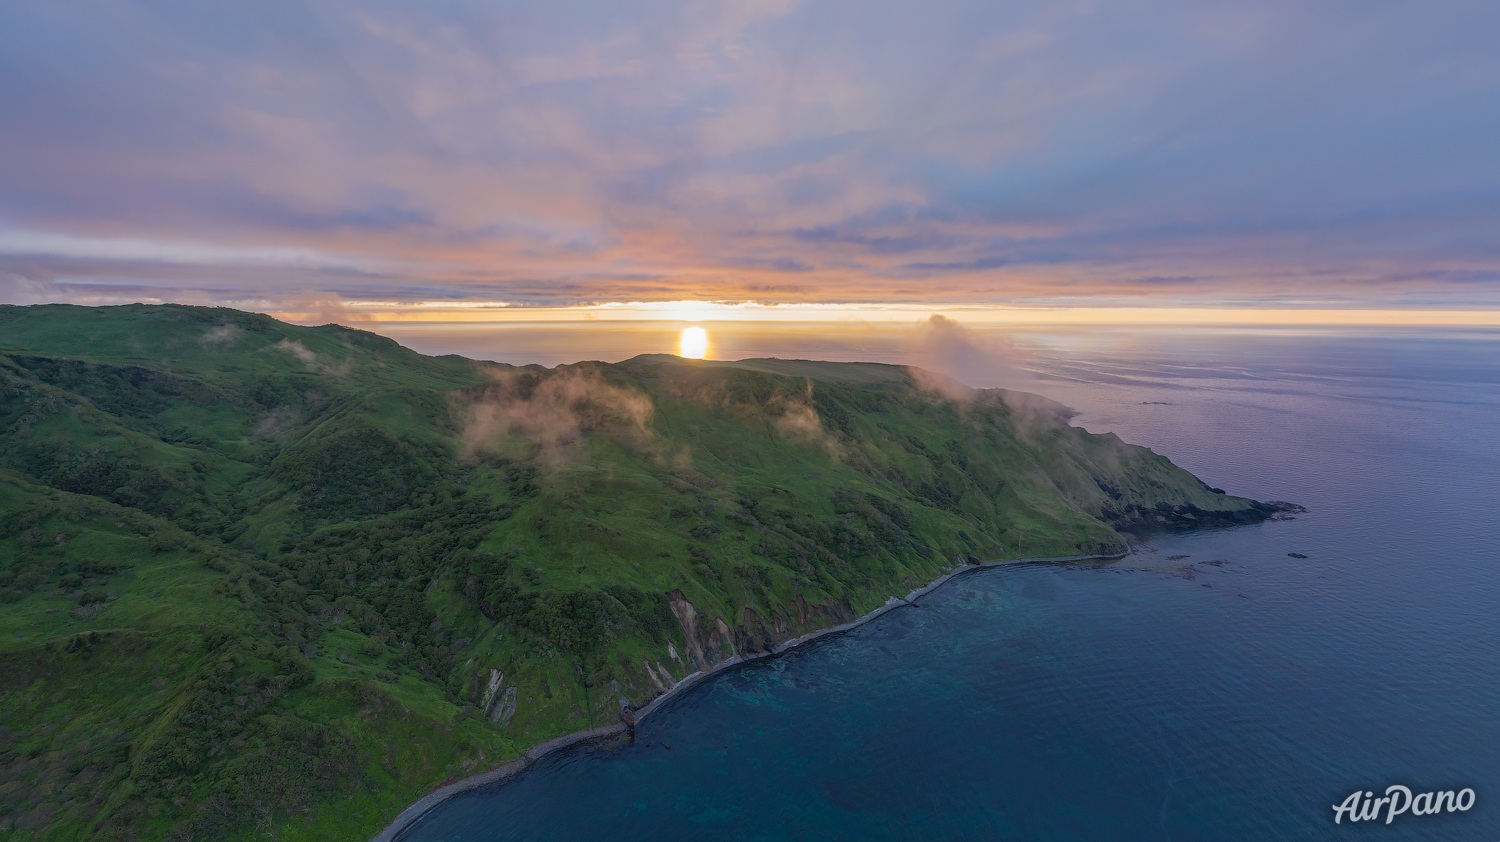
x: 256, y: 576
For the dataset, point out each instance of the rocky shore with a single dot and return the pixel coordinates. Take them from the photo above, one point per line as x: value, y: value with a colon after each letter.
x: 1136, y: 519
x: 631, y: 718
x: 1133, y: 520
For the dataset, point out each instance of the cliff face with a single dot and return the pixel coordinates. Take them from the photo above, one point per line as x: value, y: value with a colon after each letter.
x: 351, y: 571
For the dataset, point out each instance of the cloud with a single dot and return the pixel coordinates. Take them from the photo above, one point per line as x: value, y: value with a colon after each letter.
x: 311, y: 359
x: 795, y: 418
x: 550, y: 408
x: 308, y: 357
x: 222, y: 334
x: 578, y: 152
x: 951, y: 359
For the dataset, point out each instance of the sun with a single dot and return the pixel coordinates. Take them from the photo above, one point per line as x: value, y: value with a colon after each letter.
x: 694, y: 343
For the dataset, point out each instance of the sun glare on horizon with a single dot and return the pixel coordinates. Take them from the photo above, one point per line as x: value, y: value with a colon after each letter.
x: 693, y: 344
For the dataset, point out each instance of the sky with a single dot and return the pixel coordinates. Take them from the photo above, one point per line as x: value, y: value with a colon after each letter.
x: 454, y: 160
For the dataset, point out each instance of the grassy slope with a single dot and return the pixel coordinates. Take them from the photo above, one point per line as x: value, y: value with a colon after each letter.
x: 264, y: 577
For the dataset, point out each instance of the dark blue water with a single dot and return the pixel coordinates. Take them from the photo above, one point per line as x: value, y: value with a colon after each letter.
x: 1207, y: 687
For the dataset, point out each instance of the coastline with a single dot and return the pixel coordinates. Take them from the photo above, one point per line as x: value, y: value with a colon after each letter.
x: 413, y: 813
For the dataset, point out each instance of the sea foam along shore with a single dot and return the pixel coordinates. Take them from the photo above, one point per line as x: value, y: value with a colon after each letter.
x: 410, y: 815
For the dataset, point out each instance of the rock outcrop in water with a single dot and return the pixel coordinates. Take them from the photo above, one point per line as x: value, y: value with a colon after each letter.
x: 259, y: 574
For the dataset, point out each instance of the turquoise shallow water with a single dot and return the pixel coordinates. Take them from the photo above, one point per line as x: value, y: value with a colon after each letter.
x: 1207, y: 687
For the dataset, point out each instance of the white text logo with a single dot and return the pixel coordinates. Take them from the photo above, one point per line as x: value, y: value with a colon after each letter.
x: 1364, y: 806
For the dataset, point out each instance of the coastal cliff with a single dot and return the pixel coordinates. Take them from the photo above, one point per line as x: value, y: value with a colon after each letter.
x: 265, y: 576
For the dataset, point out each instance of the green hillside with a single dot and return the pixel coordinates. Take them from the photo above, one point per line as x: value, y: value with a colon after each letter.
x: 264, y: 578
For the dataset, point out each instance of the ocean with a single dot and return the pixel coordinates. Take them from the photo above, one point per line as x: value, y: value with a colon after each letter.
x: 1209, y: 686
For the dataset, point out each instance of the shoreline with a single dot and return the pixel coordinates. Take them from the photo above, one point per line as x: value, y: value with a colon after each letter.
x: 419, y: 808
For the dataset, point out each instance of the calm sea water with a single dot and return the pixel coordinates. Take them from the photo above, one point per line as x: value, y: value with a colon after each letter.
x: 1207, y: 687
